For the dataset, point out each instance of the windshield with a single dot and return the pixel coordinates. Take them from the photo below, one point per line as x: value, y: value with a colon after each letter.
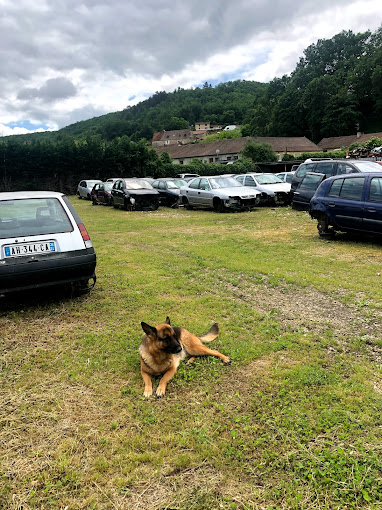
x: 268, y: 179
x: 138, y: 184
x: 224, y: 182
x: 367, y: 166
x: 90, y: 184
x: 108, y: 186
x: 178, y: 183
x: 32, y: 216
x: 175, y: 184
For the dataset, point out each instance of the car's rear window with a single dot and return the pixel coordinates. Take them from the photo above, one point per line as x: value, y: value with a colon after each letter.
x: 311, y: 181
x: 32, y: 217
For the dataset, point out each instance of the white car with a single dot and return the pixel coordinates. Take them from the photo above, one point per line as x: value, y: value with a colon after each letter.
x: 218, y: 192
x: 43, y: 242
x: 274, y: 191
x: 285, y: 176
x: 84, y: 188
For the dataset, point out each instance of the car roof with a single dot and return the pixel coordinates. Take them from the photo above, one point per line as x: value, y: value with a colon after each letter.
x: 12, y: 195
x: 348, y: 176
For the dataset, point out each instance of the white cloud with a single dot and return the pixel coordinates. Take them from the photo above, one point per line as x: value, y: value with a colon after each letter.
x: 66, y: 61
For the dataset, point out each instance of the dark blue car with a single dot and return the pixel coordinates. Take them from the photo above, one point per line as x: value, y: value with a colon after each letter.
x: 348, y: 203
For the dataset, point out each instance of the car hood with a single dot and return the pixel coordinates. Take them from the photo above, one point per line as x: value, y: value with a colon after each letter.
x: 242, y: 191
x: 282, y: 186
x: 152, y: 192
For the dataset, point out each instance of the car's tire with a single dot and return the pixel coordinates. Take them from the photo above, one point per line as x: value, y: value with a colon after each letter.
x: 323, y: 227
x: 219, y: 205
x: 89, y: 197
x: 79, y: 196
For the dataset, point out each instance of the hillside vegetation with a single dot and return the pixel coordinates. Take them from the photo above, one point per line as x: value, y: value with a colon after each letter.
x: 334, y: 90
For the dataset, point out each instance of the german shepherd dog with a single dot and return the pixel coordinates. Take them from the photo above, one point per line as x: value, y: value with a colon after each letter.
x: 163, y: 347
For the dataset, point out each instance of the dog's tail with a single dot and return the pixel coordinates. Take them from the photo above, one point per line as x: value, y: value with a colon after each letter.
x: 211, y: 334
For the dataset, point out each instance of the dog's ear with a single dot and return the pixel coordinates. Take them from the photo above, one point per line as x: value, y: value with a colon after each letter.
x: 168, y: 320
x: 149, y: 330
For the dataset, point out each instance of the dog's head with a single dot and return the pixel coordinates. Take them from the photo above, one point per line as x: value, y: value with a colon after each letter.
x: 164, y: 336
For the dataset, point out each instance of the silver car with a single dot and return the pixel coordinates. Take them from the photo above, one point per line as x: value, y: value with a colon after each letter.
x: 84, y: 188
x: 219, y: 193
x: 273, y: 190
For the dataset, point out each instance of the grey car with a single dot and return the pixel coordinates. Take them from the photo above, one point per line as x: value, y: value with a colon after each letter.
x: 84, y: 188
x: 219, y: 193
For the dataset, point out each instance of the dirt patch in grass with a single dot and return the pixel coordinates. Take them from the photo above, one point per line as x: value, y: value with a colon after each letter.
x: 307, y: 309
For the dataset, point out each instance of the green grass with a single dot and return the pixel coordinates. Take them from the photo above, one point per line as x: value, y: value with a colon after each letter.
x: 293, y: 422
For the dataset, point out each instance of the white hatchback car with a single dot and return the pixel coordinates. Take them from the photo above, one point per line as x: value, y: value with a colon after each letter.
x: 84, y: 188
x: 43, y: 242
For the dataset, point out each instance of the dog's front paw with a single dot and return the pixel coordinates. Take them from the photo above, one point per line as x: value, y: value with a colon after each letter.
x: 148, y: 393
x: 226, y: 360
x: 160, y: 391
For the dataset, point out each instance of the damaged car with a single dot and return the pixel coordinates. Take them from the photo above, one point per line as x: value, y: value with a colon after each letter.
x: 133, y: 194
x: 273, y: 190
x: 218, y: 193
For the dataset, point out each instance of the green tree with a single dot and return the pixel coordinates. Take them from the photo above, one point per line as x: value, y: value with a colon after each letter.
x: 258, y: 152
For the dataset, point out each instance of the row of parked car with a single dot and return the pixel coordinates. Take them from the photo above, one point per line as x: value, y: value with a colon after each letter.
x: 356, y: 206
x: 221, y: 192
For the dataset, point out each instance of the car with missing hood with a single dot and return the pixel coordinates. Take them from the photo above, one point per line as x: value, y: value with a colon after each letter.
x: 134, y: 194
x: 169, y: 190
x: 219, y: 193
x: 273, y: 190
x: 101, y: 193
x: 43, y: 242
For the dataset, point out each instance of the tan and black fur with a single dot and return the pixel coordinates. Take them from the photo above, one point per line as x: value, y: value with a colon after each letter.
x: 163, y: 347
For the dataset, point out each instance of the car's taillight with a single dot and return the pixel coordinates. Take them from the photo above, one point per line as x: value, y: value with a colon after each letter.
x: 84, y: 232
x: 85, y: 235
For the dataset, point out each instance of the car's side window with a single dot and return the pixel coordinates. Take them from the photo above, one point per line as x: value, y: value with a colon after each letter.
x: 155, y: 184
x: 162, y: 185
x: 344, y: 168
x: 326, y: 168
x: 375, y: 193
x: 195, y: 184
x: 335, y: 188
x: 204, y: 184
x: 240, y: 178
x: 352, y: 188
x: 250, y: 181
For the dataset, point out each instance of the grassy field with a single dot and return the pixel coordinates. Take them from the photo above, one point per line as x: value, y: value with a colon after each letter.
x: 295, y: 422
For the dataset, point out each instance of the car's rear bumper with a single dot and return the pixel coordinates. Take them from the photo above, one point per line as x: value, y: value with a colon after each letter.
x: 24, y: 273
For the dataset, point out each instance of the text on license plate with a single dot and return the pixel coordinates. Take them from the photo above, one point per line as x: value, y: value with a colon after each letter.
x: 16, y: 250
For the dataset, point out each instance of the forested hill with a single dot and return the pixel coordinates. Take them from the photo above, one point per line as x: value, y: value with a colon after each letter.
x: 227, y: 103
x: 335, y: 89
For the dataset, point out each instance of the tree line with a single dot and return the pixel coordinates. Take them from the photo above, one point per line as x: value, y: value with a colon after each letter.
x: 334, y: 90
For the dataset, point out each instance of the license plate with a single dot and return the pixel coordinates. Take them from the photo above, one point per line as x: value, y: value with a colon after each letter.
x: 19, y: 250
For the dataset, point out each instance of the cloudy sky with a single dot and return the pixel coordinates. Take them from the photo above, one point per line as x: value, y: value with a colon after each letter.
x: 63, y: 61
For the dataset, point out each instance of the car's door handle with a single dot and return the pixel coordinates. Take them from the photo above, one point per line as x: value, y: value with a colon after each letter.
x: 331, y: 204
x: 296, y: 193
x: 371, y: 209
